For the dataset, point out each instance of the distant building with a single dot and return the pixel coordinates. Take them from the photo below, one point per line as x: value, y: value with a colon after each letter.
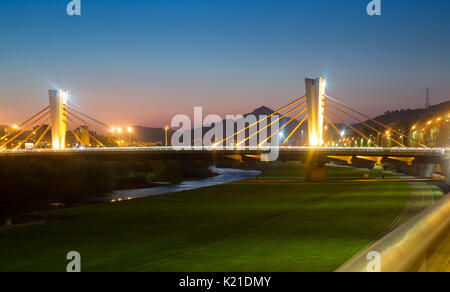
x: 83, y: 134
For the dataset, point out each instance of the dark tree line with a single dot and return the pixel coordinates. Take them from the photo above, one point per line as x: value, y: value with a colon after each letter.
x: 71, y: 180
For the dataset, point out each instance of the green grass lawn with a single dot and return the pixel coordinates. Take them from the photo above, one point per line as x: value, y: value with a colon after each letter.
x: 241, y: 226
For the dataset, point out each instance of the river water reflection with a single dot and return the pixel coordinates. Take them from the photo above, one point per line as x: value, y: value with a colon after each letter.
x: 224, y: 176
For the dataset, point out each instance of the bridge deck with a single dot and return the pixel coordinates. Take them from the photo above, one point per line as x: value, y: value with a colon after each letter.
x: 284, y: 152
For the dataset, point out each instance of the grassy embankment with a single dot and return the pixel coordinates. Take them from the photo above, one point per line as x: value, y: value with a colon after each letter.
x: 244, y: 226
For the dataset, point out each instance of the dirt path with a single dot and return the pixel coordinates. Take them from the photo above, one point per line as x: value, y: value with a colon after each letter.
x: 422, y: 197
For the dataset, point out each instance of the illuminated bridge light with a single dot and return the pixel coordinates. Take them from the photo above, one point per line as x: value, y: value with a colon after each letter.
x: 58, y: 102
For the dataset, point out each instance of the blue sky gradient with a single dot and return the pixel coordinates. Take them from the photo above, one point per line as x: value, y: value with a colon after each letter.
x: 142, y: 62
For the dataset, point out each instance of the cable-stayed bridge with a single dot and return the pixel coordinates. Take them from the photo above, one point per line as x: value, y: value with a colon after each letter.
x: 289, y: 153
x: 315, y: 108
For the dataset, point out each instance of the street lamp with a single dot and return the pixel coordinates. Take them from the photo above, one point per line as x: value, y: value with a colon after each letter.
x: 166, y: 129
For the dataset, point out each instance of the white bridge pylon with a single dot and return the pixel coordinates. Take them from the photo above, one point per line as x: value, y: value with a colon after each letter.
x: 58, y: 100
x: 315, y: 95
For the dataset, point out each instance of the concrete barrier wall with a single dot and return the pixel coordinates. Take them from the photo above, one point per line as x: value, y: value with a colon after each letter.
x: 406, y: 247
x: 423, y: 169
x: 419, y: 169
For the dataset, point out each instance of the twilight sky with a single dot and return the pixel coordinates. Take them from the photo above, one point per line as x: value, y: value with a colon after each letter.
x: 130, y: 62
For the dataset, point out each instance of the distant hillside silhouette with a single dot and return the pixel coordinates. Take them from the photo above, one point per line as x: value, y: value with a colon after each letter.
x: 414, y: 115
x: 262, y: 111
x: 404, y: 117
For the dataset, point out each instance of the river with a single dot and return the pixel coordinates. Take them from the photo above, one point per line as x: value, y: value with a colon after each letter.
x: 224, y: 176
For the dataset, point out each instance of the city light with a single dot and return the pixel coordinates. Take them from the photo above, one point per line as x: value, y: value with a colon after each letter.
x: 15, y: 127
x: 64, y: 94
x: 130, y: 130
x: 166, y: 129
x: 314, y: 140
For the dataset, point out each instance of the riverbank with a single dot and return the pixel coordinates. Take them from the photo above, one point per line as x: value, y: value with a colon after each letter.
x: 36, y: 185
x: 242, y: 226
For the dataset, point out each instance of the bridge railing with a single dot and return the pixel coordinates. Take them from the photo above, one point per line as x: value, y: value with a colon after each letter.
x: 405, y: 249
x: 326, y: 150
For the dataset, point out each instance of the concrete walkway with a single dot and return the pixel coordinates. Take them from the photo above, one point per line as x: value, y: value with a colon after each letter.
x: 422, y: 197
x: 438, y: 259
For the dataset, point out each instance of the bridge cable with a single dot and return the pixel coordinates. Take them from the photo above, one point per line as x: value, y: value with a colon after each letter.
x: 375, y: 121
x: 31, y: 134
x: 353, y: 128
x: 363, y: 123
x: 95, y: 139
x: 87, y: 131
x: 77, y: 138
x: 334, y: 127
x: 89, y: 117
x: 286, y: 124
x: 25, y: 129
x: 103, y: 124
x: 42, y: 136
x: 273, y: 122
x: 259, y: 121
x: 295, y: 130
x: 24, y: 123
x: 93, y: 127
x: 102, y: 132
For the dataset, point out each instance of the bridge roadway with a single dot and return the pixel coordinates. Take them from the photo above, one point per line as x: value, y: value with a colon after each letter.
x: 421, y: 155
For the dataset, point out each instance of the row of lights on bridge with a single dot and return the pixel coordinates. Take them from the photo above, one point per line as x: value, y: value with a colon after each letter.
x: 120, y: 130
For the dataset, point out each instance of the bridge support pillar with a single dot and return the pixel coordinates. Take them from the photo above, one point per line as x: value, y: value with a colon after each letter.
x: 58, y: 99
x: 315, y: 173
x: 448, y: 173
x: 315, y: 90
